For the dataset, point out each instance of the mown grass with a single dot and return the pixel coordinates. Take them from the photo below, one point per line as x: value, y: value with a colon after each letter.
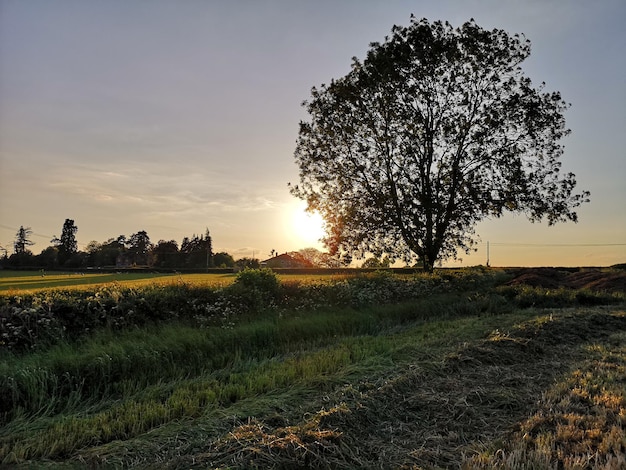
x: 580, y: 420
x: 444, y: 381
x: 116, y: 387
x: 463, y: 410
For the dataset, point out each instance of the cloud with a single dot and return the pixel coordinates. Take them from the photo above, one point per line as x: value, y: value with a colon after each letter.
x: 157, y: 191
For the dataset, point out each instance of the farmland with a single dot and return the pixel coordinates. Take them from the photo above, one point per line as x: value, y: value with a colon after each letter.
x: 37, y: 280
x: 476, y: 368
x: 15, y: 281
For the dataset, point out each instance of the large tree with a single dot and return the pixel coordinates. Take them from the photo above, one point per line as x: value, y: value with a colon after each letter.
x: 166, y: 254
x: 67, y: 245
x: 139, y: 247
x: 109, y: 252
x: 22, y: 241
x: 198, y: 250
x: 437, y: 129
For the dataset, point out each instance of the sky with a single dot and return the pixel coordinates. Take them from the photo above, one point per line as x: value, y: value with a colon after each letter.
x: 177, y: 116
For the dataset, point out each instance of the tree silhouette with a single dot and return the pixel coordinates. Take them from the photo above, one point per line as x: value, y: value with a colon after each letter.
x: 437, y: 129
x: 139, y: 247
x: 22, y: 240
x: 67, y: 244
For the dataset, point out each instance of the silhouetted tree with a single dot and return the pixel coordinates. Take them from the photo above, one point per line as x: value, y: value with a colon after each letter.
x: 21, y: 256
x: 67, y: 244
x: 22, y: 241
x: 252, y: 263
x: 223, y: 260
x: 436, y: 130
x: 166, y: 254
x: 48, y: 258
x: 111, y: 251
x: 198, y: 250
x: 93, y: 250
x: 139, y: 247
x: 208, y: 247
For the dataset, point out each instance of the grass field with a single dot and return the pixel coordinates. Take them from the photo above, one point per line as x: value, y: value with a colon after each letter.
x: 445, y: 381
x: 15, y: 281
x: 36, y: 280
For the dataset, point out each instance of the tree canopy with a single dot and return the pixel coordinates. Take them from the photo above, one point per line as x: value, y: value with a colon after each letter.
x: 22, y: 240
x: 67, y: 244
x: 136, y: 250
x: 437, y: 129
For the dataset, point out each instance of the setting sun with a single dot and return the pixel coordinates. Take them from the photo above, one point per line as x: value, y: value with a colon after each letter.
x: 308, y: 227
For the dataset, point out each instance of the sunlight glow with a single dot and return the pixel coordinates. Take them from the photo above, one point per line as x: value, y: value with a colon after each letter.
x: 307, y: 227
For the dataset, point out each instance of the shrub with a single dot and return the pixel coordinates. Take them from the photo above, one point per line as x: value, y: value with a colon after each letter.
x: 45, y: 318
x: 254, y: 289
x: 264, y: 280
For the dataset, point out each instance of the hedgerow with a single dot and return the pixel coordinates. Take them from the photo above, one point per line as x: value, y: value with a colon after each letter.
x: 39, y: 319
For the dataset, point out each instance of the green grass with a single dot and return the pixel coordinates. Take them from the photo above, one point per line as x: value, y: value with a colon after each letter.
x: 15, y: 281
x: 441, y: 382
x: 97, y: 366
x: 117, y: 387
x: 12, y: 282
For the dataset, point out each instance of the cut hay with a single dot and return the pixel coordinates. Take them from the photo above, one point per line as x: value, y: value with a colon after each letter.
x: 471, y: 410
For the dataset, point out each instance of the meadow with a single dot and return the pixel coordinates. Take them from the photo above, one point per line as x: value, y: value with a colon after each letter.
x: 456, y: 369
x: 15, y: 281
x: 38, y: 280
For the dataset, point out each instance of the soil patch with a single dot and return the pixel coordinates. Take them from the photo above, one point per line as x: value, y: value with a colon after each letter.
x: 597, y: 279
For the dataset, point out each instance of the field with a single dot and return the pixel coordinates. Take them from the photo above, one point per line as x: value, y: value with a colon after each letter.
x: 15, y: 281
x: 469, y: 369
x: 36, y: 280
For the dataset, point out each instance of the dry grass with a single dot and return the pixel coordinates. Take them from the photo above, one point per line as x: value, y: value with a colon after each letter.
x: 580, y: 422
x: 471, y: 409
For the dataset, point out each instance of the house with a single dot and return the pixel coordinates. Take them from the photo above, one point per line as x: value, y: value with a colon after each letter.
x: 286, y: 261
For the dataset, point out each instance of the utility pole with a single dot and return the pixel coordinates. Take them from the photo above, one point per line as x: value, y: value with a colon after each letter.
x: 487, y: 254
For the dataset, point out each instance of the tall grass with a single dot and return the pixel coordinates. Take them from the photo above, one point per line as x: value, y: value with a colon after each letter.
x: 115, y: 386
x: 102, y: 365
x: 37, y: 320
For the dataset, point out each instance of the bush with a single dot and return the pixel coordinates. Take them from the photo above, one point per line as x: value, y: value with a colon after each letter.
x: 254, y: 289
x: 264, y: 280
x: 45, y: 318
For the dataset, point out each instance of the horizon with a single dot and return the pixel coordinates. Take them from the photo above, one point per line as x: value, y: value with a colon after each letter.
x: 173, y: 118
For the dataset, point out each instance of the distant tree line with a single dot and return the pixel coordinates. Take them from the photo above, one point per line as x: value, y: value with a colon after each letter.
x: 122, y: 252
x: 137, y: 250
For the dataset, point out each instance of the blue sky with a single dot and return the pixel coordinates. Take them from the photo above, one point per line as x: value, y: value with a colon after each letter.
x: 171, y: 117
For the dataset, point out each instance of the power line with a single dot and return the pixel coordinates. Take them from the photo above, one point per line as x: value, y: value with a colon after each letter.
x: 557, y: 244
x: 49, y: 237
